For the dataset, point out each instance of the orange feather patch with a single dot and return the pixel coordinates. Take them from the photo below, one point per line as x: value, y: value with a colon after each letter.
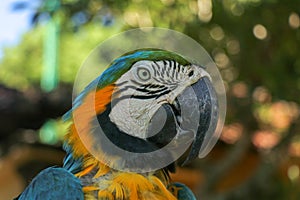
x: 80, y: 129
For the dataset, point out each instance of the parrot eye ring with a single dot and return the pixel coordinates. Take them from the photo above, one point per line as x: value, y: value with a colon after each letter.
x: 143, y: 74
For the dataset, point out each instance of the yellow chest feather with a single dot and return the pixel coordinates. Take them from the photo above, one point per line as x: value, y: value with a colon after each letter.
x: 127, y: 186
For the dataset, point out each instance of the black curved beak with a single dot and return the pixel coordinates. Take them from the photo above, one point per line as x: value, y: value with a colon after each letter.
x: 200, y: 113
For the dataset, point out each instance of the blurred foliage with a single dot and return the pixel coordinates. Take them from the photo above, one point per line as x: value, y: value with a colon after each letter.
x: 255, y: 44
x: 18, y: 69
x: 227, y: 35
x: 22, y: 65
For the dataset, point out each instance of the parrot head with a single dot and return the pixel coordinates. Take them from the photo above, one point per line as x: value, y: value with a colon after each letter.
x: 145, y: 101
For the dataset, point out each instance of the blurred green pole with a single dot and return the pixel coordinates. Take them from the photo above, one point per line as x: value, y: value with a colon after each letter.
x: 49, y: 77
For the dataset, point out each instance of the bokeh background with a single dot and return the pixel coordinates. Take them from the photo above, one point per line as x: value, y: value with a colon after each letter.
x: 255, y: 44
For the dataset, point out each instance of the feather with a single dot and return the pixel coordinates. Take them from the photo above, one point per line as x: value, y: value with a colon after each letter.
x: 133, y: 183
x: 164, y: 191
x: 53, y: 183
x: 105, y: 195
x: 181, y: 191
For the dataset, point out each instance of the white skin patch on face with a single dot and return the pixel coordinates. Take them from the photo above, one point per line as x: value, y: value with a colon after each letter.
x: 144, y: 88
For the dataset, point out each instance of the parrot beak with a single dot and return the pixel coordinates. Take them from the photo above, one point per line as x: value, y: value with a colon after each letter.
x: 195, y: 113
x: 199, y: 114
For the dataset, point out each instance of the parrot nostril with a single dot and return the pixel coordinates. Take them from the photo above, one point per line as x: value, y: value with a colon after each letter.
x: 191, y: 73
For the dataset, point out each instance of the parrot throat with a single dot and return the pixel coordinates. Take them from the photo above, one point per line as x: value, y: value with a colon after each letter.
x: 138, y: 145
x: 135, y: 144
x: 101, y: 182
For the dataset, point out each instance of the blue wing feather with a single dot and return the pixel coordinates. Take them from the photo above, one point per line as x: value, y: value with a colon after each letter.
x: 73, y: 165
x: 53, y: 183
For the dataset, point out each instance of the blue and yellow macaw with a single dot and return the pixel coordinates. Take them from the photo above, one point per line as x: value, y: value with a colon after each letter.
x: 124, y: 105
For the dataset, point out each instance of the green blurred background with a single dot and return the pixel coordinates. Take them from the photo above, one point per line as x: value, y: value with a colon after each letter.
x: 255, y: 44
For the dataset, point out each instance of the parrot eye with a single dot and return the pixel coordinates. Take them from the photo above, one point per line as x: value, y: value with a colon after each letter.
x: 143, y: 74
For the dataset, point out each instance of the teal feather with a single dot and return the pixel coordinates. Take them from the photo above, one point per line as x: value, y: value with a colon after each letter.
x: 53, y: 183
x: 73, y: 165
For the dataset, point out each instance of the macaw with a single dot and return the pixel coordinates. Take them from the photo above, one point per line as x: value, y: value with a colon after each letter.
x: 139, y: 91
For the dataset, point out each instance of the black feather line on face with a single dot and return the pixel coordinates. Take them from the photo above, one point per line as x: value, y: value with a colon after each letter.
x: 146, y: 88
x: 147, y: 91
x: 156, y: 96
